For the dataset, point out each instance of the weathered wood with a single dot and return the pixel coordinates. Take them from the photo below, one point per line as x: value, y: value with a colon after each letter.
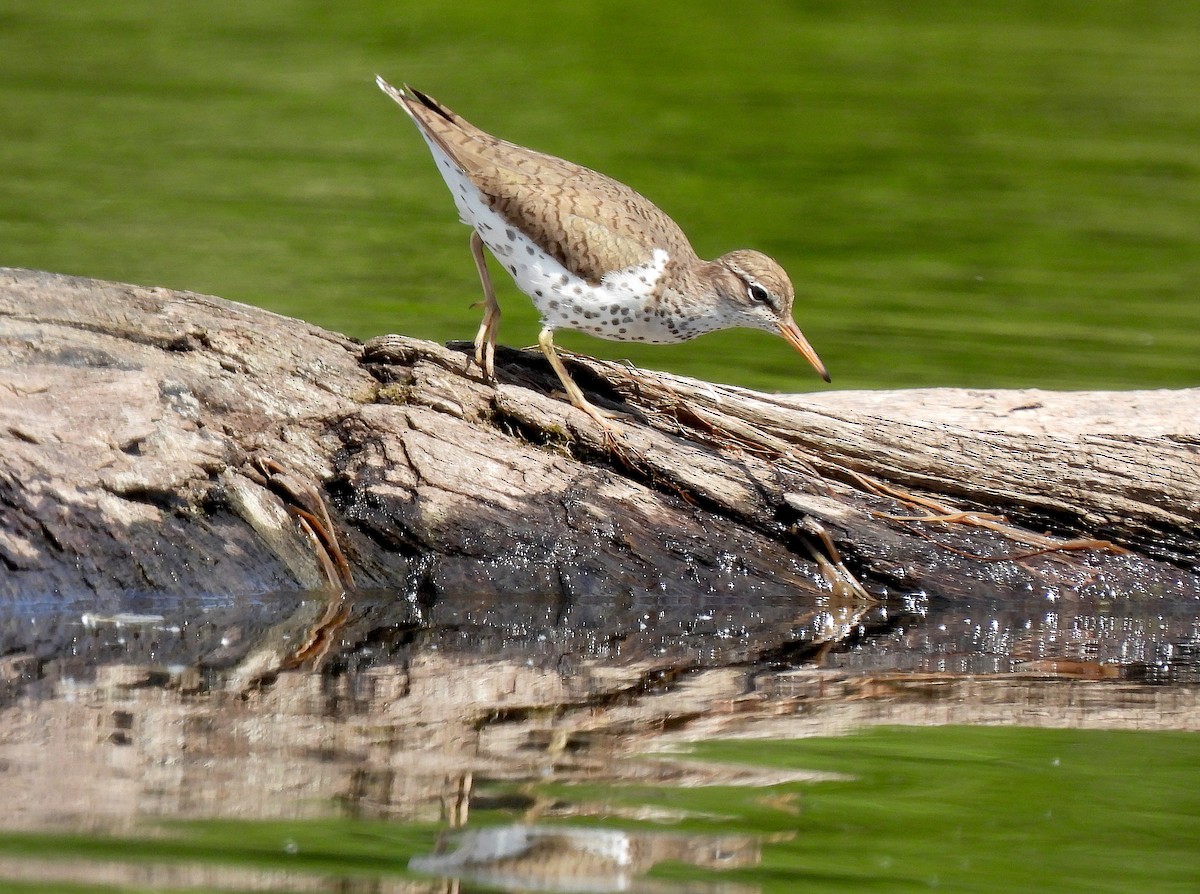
x: 136, y: 424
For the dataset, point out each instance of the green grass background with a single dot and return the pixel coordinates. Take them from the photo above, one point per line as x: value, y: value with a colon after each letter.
x: 986, y: 195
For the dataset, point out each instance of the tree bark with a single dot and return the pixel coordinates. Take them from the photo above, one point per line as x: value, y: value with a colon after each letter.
x: 156, y: 443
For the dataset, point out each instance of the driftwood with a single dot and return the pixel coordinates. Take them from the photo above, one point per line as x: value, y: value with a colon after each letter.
x: 160, y: 443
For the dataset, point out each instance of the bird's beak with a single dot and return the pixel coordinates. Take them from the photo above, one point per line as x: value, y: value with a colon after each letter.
x: 794, y: 337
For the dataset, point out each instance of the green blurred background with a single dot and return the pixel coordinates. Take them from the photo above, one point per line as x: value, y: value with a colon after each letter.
x: 986, y: 195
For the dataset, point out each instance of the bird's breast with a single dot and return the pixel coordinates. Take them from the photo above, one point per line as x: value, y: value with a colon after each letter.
x: 624, y: 306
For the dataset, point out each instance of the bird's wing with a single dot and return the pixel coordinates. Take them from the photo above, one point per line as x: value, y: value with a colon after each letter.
x: 588, y: 222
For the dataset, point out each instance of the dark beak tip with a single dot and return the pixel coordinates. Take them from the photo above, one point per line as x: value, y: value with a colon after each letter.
x: 825, y: 376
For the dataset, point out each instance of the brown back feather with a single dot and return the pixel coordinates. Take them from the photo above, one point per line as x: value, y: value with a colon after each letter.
x: 588, y: 222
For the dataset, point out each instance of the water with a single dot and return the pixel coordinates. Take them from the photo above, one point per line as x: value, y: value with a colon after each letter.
x: 168, y: 747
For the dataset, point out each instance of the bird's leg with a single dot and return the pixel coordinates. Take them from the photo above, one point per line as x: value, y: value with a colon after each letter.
x: 574, y: 394
x: 485, y: 339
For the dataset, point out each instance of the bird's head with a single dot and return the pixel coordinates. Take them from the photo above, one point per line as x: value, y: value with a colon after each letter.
x: 755, y: 292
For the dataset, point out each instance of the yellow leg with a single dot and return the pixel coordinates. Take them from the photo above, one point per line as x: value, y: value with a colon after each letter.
x: 485, y: 339
x: 574, y: 394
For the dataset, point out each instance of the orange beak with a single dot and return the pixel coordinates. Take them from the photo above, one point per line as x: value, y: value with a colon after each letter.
x: 794, y: 337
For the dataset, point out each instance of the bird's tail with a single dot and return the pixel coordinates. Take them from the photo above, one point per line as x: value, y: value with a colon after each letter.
x: 407, y: 96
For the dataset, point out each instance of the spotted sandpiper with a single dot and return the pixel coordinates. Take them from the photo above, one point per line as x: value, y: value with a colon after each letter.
x: 592, y: 254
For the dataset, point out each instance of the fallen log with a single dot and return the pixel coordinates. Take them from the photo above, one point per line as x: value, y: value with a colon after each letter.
x: 156, y: 443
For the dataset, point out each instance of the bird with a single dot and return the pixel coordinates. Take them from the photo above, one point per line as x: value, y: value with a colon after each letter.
x: 593, y: 254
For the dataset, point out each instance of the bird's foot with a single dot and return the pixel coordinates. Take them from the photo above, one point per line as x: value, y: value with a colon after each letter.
x: 485, y: 359
x: 485, y: 342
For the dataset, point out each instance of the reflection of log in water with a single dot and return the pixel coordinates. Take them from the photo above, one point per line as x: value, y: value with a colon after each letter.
x: 154, y: 714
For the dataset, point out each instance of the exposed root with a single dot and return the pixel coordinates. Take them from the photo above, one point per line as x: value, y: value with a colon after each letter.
x: 941, y: 513
x: 829, y: 561
x: 305, y: 503
x: 307, y: 506
x: 325, y: 545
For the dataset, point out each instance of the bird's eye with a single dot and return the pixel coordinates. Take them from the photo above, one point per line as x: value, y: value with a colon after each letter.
x: 759, y: 294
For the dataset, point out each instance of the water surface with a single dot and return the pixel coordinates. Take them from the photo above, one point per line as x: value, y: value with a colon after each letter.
x: 169, y: 747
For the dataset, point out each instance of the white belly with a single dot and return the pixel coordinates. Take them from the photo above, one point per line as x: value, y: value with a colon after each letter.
x: 615, y: 309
